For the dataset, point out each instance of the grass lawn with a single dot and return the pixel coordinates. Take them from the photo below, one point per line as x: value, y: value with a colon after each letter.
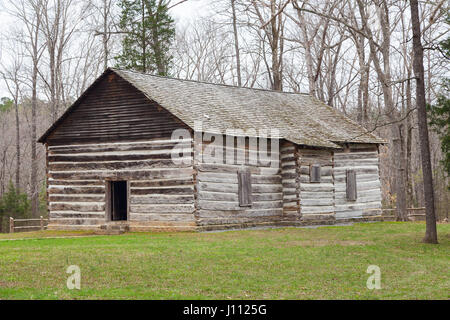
x: 288, y: 263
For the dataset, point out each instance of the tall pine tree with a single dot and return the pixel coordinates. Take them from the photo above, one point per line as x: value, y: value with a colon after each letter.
x: 149, y: 31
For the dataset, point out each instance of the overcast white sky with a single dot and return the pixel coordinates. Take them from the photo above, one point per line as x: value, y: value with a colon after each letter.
x: 183, y: 14
x: 190, y: 9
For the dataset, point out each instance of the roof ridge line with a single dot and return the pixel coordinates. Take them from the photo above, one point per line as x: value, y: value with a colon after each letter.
x: 204, y: 82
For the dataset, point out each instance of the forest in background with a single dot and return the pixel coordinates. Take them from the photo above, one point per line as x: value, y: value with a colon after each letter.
x: 354, y: 55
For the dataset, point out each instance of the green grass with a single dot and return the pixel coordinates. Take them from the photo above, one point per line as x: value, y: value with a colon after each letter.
x: 289, y: 263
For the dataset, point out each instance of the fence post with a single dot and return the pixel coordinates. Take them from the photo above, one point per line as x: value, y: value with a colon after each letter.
x: 42, y: 223
x: 11, y: 224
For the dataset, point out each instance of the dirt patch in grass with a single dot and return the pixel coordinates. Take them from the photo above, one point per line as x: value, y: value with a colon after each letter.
x: 45, y: 234
x: 7, y: 284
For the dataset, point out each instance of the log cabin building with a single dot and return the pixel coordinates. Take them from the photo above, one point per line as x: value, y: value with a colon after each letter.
x: 110, y: 158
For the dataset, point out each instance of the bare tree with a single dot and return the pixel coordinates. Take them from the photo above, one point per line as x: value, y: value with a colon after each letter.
x: 431, y: 232
x: 314, y: 33
x: 203, y: 53
x: 60, y: 21
x: 29, y: 13
x: 383, y: 69
x: 233, y: 21
x: 106, y: 26
x: 236, y: 43
x: 13, y: 84
x: 269, y: 14
x: 359, y: 41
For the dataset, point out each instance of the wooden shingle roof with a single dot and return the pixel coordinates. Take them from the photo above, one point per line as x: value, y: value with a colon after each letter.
x: 299, y: 118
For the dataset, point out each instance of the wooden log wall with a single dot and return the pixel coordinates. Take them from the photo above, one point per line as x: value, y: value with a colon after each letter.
x: 316, y: 198
x: 364, y: 160
x: 115, y: 132
x: 217, y: 200
x: 290, y: 181
x: 161, y: 193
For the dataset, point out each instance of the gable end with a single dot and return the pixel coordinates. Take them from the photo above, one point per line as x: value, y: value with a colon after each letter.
x: 112, y: 110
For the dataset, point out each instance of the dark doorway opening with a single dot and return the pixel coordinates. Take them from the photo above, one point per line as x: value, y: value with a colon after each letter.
x: 118, y: 200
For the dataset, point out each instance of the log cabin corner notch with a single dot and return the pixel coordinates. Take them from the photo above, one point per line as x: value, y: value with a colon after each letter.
x: 109, y: 159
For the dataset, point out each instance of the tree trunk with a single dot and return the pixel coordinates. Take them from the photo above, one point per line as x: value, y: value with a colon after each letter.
x: 3, y: 172
x: 310, y: 71
x: 105, y: 34
x: 34, y: 165
x: 144, y: 44
x: 332, y: 82
x: 236, y: 44
x: 17, y: 141
x: 274, y: 32
x: 359, y: 43
x: 363, y: 89
x: 431, y: 232
x: 277, y: 49
x: 409, y: 177
x: 401, y: 179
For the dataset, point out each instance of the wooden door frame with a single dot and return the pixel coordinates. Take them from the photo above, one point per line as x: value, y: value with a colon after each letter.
x: 108, y: 183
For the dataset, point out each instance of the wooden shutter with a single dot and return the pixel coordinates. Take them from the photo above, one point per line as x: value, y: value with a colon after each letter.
x: 245, y: 188
x: 314, y: 173
x: 351, y: 185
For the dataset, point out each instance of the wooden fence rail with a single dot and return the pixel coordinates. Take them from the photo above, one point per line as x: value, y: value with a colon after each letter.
x: 13, y: 227
x: 413, y: 214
